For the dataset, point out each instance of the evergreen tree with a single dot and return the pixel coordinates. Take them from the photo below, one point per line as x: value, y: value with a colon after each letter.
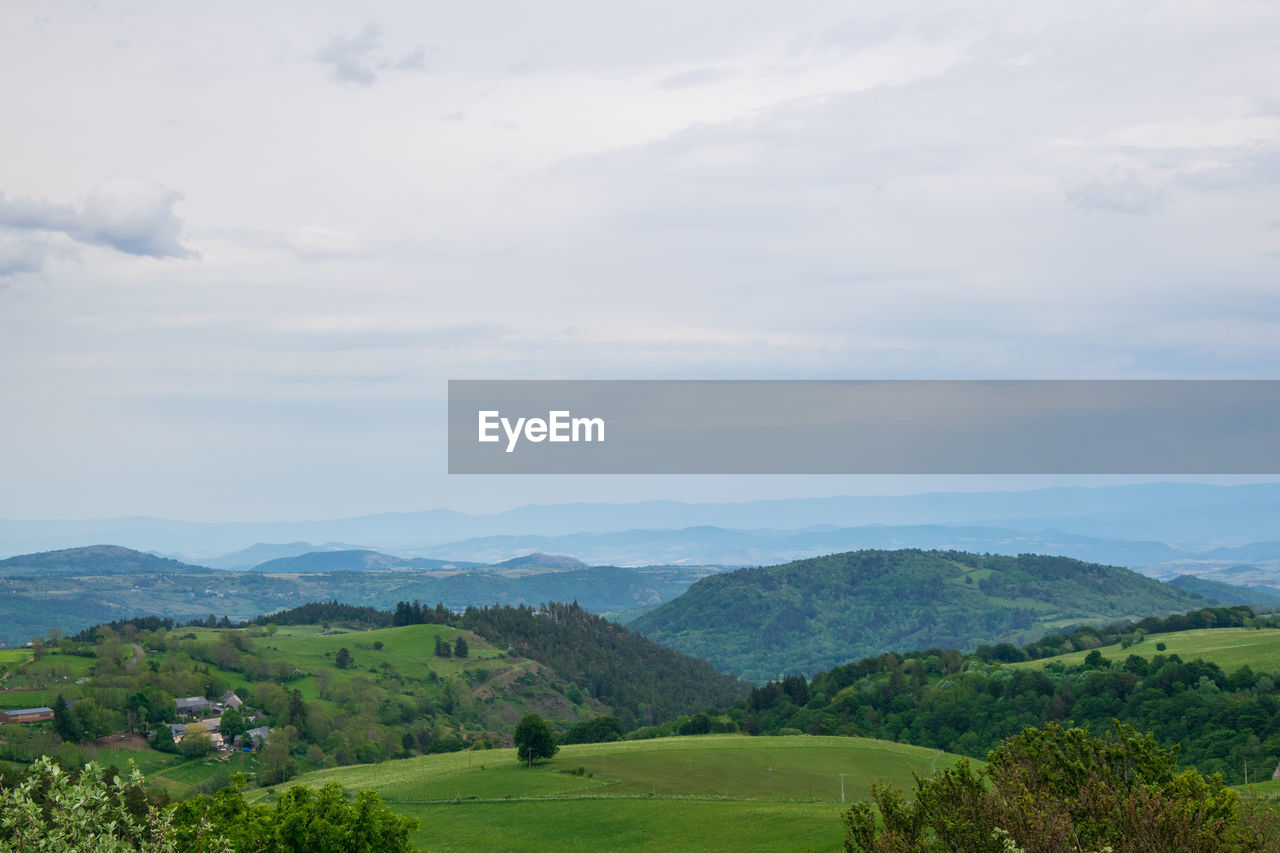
x: 63, y: 722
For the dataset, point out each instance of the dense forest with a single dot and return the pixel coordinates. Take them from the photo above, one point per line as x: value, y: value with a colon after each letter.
x: 644, y: 683
x: 814, y: 614
x: 1221, y: 721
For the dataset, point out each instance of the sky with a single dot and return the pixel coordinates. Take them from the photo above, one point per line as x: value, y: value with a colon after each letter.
x: 244, y: 246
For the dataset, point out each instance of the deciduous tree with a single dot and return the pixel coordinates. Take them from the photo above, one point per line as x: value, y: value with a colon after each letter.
x: 534, y: 740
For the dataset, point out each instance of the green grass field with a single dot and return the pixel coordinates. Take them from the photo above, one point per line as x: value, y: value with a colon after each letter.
x: 711, y: 792
x: 1229, y: 648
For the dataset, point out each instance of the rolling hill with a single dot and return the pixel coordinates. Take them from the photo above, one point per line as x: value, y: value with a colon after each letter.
x: 710, y: 792
x: 75, y: 588
x: 814, y: 614
x: 1228, y: 593
x: 354, y: 560
x: 93, y: 560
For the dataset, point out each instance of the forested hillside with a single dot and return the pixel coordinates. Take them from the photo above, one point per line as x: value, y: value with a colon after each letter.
x: 813, y: 614
x: 643, y: 682
x: 1223, y: 718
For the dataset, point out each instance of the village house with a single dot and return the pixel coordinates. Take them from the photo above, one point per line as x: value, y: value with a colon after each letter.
x: 252, y: 738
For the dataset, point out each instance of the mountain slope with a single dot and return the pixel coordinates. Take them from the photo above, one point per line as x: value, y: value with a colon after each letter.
x: 708, y: 544
x: 354, y: 560
x: 94, y: 559
x: 1228, y: 593
x: 814, y: 614
x: 72, y: 589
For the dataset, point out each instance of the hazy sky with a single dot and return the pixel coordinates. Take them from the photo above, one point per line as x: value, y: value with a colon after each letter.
x: 243, y: 248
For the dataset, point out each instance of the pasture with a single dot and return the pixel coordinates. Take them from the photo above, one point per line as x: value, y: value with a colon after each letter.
x: 1229, y: 648
x: 709, y: 792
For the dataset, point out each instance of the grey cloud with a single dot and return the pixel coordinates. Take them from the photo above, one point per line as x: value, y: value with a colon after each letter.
x: 1120, y: 191
x: 414, y: 60
x: 129, y: 216
x: 696, y: 77
x: 19, y: 257
x: 353, y: 59
x: 358, y: 59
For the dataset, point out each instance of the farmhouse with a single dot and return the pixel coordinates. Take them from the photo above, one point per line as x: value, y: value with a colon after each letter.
x: 26, y: 715
x: 230, y: 700
x: 192, y: 705
x: 253, y: 737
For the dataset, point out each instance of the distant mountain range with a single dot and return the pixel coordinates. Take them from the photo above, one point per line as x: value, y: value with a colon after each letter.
x: 1187, y: 517
x: 71, y: 589
x: 356, y: 560
x: 709, y: 544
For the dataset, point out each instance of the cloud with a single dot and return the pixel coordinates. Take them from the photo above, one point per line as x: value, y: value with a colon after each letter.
x: 19, y: 256
x: 358, y: 59
x: 1119, y: 191
x: 696, y: 77
x: 130, y: 216
x: 352, y: 58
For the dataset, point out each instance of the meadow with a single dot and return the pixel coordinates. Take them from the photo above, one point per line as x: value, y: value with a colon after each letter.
x: 1229, y: 648
x: 709, y: 792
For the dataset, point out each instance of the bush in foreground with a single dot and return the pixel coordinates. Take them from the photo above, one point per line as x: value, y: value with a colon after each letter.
x: 53, y: 810
x: 84, y: 813
x: 1064, y: 789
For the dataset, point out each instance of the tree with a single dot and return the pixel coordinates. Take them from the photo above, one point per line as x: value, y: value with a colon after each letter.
x: 534, y: 740
x: 196, y: 742
x: 297, y: 714
x: 302, y: 819
x: 597, y: 730
x: 53, y: 810
x: 163, y: 741
x: 343, y: 660
x: 1058, y: 789
x: 275, y: 764
x: 64, y: 723
x: 442, y: 648
x: 232, y: 724
x: 460, y: 649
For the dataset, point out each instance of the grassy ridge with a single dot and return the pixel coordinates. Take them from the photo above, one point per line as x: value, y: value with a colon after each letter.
x: 1229, y: 648
x: 717, y: 791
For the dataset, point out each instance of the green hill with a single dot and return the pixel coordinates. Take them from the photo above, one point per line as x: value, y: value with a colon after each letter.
x: 355, y: 560
x: 814, y: 614
x: 1228, y: 648
x: 1228, y: 593
x: 75, y: 588
x: 711, y: 792
x: 93, y: 560
x: 355, y: 688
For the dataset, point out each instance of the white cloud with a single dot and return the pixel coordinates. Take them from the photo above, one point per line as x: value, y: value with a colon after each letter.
x: 130, y: 216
